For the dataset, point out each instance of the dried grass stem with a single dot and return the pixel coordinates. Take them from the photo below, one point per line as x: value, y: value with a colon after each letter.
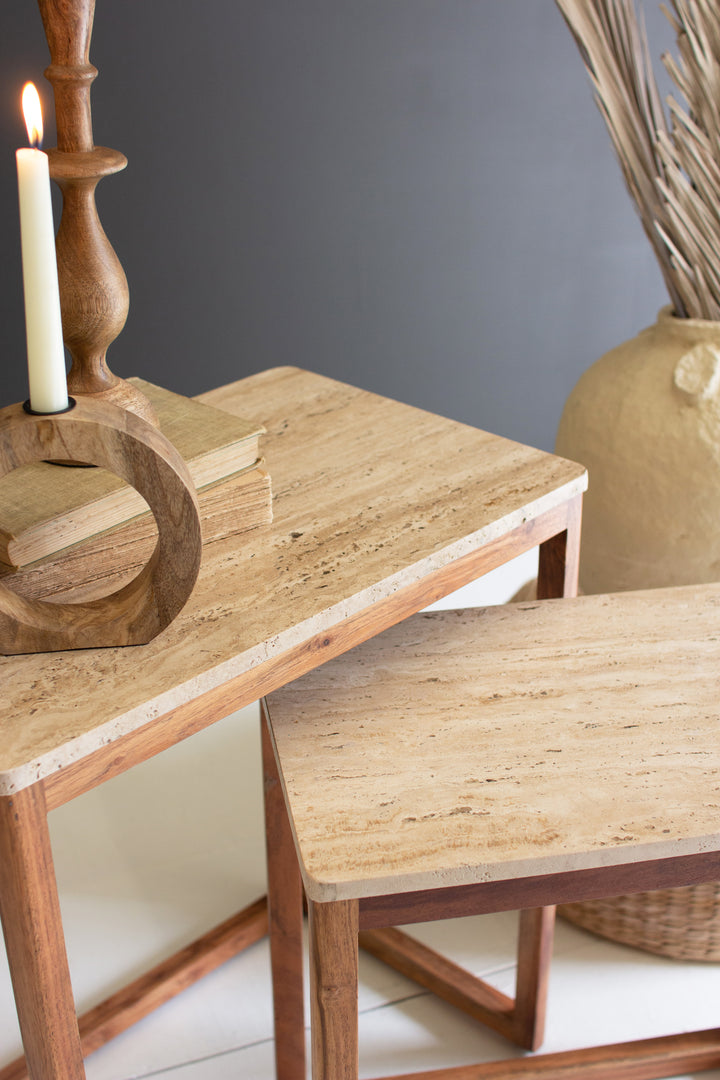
x: 671, y: 164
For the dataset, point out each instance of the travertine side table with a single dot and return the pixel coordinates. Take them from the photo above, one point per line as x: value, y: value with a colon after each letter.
x: 492, y: 760
x: 380, y: 509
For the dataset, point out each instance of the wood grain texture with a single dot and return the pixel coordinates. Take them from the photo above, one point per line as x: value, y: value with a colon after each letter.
x: 442, y: 977
x: 285, y: 915
x: 547, y: 889
x: 520, y: 1019
x: 333, y: 930
x: 379, y: 508
x: 94, y: 296
x: 44, y: 510
x: 645, y: 1059
x: 162, y: 983
x: 93, y: 287
x: 99, y: 433
x: 285, y: 926
x: 34, y: 940
x: 68, y: 29
x: 534, y: 954
x: 559, y: 559
x: 474, y: 746
x: 107, y: 561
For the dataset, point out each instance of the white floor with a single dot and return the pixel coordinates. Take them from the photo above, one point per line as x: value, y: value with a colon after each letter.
x: 151, y: 860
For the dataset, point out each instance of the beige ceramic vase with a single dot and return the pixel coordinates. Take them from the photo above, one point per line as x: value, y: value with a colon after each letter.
x: 645, y: 421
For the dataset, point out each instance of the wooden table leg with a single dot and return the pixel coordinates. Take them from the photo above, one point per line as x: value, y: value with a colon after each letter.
x: 285, y: 915
x: 559, y: 558
x: 163, y: 982
x: 32, y: 926
x: 534, y: 953
x: 334, y: 989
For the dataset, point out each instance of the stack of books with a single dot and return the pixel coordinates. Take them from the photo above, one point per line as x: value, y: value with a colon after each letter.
x: 76, y: 531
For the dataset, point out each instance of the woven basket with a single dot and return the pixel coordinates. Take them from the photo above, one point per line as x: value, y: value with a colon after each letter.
x: 683, y: 923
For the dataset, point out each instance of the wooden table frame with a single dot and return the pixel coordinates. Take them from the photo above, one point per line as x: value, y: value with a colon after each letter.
x: 335, y: 934
x: 29, y: 907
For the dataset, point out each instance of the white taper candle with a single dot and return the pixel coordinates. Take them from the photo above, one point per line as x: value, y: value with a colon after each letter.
x: 43, y: 323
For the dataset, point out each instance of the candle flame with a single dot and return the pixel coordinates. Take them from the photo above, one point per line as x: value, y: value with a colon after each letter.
x: 32, y: 111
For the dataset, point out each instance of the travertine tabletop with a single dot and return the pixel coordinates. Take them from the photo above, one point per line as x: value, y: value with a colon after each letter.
x: 369, y: 496
x: 462, y: 747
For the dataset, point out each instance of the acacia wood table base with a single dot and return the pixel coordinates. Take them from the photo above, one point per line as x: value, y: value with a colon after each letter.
x: 641, y: 1059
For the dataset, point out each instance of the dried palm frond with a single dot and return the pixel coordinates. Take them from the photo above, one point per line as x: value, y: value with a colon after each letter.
x: 672, y: 170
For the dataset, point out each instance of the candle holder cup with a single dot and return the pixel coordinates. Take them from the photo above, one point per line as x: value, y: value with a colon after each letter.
x: 99, y: 433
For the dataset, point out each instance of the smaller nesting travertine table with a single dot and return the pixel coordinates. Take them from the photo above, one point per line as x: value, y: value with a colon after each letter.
x: 466, y: 762
x: 379, y: 509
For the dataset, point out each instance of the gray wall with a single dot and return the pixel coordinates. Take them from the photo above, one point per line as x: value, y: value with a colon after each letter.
x: 415, y: 196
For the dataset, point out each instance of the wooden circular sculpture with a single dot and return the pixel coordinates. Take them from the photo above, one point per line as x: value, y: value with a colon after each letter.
x: 102, y: 434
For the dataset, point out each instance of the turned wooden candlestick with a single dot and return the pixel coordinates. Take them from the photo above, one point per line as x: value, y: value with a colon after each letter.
x: 93, y: 287
x: 100, y: 433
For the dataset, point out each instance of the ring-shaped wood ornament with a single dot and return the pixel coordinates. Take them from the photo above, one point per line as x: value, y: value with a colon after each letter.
x: 102, y: 434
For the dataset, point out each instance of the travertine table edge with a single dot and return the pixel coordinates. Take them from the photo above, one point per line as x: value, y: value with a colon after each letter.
x: 50, y: 779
